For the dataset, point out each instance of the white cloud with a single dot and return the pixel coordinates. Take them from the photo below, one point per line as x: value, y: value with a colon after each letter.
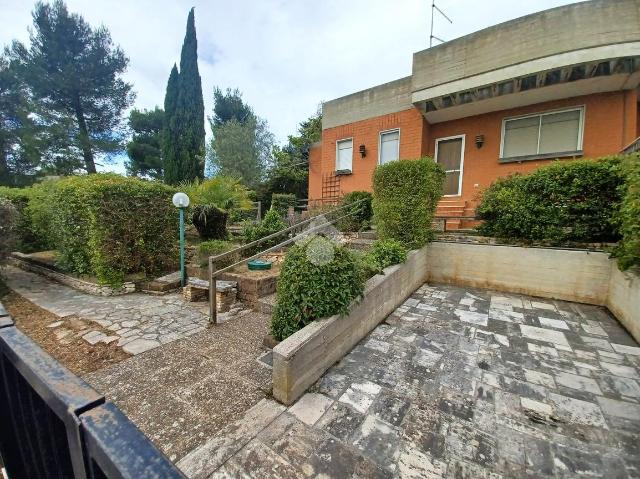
x: 286, y: 56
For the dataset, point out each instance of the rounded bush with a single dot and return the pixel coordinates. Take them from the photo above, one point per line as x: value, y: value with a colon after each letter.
x: 271, y: 223
x: 358, y: 204
x: 565, y: 201
x: 318, y: 279
x: 405, y: 196
x: 210, y: 222
x: 387, y: 252
x: 282, y: 201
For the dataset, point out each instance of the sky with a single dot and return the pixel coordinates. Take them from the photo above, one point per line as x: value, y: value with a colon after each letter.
x: 285, y: 56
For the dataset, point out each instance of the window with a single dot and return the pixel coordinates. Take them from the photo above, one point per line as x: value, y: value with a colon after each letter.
x: 543, y: 134
x: 389, y: 146
x: 344, y: 154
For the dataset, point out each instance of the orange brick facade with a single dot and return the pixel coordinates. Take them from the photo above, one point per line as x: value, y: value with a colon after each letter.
x: 611, y: 121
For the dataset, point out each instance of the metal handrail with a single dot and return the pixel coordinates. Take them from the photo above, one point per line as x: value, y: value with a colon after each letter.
x: 213, y: 275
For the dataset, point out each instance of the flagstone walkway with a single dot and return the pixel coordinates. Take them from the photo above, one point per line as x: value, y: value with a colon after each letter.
x: 456, y: 383
x: 138, y: 322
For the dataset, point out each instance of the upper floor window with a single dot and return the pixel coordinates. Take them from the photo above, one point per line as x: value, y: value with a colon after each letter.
x: 543, y: 134
x: 344, y: 154
x: 389, y: 146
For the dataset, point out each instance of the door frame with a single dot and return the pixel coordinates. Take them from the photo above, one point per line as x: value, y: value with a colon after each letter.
x: 454, y: 137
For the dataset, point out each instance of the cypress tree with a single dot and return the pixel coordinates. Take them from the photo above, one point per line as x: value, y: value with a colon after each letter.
x: 171, y: 136
x: 190, y: 107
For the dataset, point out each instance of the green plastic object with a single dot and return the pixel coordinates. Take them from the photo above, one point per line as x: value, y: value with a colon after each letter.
x: 259, y: 265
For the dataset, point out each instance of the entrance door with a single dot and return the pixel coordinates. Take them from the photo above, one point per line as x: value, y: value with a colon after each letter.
x: 450, y: 154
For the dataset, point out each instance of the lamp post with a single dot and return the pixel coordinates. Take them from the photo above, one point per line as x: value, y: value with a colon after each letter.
x: 181, y: 201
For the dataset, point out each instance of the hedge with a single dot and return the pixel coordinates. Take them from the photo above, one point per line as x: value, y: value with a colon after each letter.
x: 8, y: 228
x: 109, y: 226
x: 565, y: 201
x: 282, y: 201
x: 319, y: 278
x: 405, y: 196
x: 628, y: 216
x: 358, y: 203
x: 26, y: 238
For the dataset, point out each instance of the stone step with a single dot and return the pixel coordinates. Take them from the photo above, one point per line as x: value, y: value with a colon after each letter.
x: 265, y: 304
x: 164, y: 284
x: 371, y: 235
x: 360, y: 244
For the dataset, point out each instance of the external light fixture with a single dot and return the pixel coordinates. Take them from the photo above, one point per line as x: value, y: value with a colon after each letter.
x: 363, y: 151
x: 479, y: 141
x: 181, y: 201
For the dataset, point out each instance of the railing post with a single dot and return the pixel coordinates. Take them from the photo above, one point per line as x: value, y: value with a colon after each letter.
x: 213, y: 295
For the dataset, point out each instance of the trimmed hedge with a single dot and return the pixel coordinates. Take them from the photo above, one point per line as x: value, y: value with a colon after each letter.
x: 26, y: 238
x: 109, y: 226
x: 319, y: 278
x: 210, y: 221
x: 361, y: 209
x: 628, y: 217
x: 282, y: 201
x: 565, y: 201
x: 405, y: 196
x: 8, y: 228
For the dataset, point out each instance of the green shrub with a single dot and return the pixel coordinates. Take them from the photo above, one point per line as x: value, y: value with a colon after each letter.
x: 282, y: 201
x: 318, y: 279
x: 9, y: 219
x: 213, y: 248
x: 225, y: 192
x: 405, y: 196
x: 271, y: 223
x: 565, y: 201
x: 110, y: 226
x: 628, y: 216
x: 387, y: 252
x: 210, y: 221
x: 26, y: 238
x: 358, y: 203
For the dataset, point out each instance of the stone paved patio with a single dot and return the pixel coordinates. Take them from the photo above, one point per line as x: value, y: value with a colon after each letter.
x: 138, y: 322
x: 457, y: 383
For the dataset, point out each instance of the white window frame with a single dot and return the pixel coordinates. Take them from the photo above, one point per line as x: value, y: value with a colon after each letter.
x: 380, y: 142
x: 454, y: 137
x: 580, y: 108
x: 338, y: 153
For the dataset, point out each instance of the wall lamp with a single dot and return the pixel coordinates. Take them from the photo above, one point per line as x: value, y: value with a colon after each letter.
x: 479, y: 141
x: 363, y: 151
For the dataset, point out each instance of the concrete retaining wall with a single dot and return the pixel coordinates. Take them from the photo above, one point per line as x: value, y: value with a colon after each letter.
x: 624, y: 299
x: 303, y: 357
x: 580, y: 276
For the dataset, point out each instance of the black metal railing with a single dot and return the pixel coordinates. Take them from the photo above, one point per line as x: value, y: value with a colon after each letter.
x: 54, y: 425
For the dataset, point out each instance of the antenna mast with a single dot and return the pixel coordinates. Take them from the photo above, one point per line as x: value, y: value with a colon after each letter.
x: 434, y: 7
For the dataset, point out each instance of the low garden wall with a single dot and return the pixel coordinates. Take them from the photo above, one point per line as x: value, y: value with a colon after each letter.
x: 303, y: 357
x: 571, y: 275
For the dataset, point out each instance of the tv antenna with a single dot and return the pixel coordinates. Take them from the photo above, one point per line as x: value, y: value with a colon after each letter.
x: 434, y: 7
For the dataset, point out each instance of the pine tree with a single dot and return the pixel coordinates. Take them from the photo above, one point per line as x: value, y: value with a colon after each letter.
x: 190, y: 107
x: 170, y: 137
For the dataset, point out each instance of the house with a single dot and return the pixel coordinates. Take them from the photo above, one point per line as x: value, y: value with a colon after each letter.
x: 558, y: 84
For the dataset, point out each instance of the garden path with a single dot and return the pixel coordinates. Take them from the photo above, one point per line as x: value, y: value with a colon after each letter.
x: 456, y: 383
x: 138, y: 322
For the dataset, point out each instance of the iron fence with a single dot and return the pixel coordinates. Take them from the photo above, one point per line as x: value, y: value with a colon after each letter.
x: 54, y: 425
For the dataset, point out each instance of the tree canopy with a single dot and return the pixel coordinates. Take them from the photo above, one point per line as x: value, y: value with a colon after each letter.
x: 228, y: 106
x: 74, y: 73
x: 184, y: 136
x: 145, y: 147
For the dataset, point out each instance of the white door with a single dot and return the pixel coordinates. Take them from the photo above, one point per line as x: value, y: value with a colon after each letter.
x: 450, y: 154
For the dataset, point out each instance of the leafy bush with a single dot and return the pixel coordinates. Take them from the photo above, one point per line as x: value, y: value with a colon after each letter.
x: 210, y: 221
x: 628, y: 216
x: 110, y: 226
x: 405, y: 196
x: 26, y: 238
x: 282, y: 201
x: 271, y: 223
x: 213, y: 248
x: 387, y: 252
x: 318, y: 279
x: 565, y: 201
x: 358, y: 203
x: 9, y: 217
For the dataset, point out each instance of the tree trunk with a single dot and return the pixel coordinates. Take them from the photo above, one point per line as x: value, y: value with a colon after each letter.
x: 85, y: 144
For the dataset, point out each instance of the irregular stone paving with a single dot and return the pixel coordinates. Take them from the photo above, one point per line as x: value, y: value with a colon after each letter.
x: 138, y: 322
x: 456, y: 383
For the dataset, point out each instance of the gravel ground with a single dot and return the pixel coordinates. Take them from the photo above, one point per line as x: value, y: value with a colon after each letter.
x: 64, y: 342
x: 184, y: 392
